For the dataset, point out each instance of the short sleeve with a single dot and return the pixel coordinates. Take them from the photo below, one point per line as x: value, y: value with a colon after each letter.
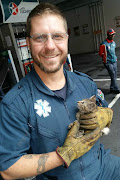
x: 14, y: 136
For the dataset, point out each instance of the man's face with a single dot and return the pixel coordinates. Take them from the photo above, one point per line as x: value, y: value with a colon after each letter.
x: 111, y: 37
x: 49, y: 56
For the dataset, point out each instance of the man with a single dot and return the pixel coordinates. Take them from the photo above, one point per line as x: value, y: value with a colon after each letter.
x: 35, y: 114
x: 107, y: 52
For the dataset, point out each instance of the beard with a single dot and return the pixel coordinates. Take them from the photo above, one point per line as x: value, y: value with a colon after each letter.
x: 45, y: 67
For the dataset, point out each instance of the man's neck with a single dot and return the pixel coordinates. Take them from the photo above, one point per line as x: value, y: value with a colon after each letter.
x: 53, y: 81
x: 109, y: 41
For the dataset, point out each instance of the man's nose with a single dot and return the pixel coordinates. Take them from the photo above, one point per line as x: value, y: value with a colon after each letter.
x: 50, y: 43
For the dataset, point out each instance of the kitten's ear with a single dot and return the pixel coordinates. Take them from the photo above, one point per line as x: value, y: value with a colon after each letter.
x: 92, y: 106
x: 93, y: 99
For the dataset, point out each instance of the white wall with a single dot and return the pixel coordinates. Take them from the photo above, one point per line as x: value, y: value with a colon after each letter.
x: 79, y: 16
x: 84, y: 42
x: 111, y: 10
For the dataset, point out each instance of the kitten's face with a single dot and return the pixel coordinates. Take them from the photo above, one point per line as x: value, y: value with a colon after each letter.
x: 87, y: 105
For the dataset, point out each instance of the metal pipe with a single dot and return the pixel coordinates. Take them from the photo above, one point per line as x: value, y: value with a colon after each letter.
x: 99, y: 25
x: 92, y: 21
x: 103, y: 20
x: 100, y: 21
x: 95, y: 24
x: 16, y: 48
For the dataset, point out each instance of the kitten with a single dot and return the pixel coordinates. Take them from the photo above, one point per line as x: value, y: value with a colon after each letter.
x: 84, y: 107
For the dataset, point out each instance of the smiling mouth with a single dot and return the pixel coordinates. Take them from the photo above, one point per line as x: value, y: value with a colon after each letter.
x: 48, y: 57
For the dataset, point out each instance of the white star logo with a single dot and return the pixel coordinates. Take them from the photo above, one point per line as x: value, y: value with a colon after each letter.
x: 42, y: 108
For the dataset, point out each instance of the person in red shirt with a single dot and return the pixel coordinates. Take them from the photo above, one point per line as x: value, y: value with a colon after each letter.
x: 109, y: 58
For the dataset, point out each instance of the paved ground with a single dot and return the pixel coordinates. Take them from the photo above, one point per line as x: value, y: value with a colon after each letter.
x: 91, y: 64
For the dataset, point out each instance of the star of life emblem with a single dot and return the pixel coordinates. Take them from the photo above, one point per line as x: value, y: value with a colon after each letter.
x: 100, y: 94
x: 42, y: 107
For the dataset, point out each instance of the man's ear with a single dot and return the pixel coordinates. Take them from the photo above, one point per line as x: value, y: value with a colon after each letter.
x: 28, y: 42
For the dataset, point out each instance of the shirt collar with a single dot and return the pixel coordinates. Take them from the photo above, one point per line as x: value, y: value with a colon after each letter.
x: 109, y: 41
x: 36, y: 80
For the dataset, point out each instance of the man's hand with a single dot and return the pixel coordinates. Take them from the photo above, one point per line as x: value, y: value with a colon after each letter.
x: 101, y: 118
x: 75, y: 146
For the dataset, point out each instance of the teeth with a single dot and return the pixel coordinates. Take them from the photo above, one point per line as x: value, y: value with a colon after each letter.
x: 49, y: 56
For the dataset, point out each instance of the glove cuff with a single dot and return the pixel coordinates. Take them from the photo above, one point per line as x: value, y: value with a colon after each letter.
x: 65, y: 165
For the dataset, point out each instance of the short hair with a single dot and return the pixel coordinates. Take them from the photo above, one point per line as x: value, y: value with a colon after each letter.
x: 41, y: 9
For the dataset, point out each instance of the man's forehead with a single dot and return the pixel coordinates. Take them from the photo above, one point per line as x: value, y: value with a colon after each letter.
x: 47, y: 15
x: 49, y: 20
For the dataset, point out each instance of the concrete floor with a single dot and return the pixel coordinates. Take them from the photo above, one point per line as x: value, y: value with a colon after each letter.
x: 91, y: 64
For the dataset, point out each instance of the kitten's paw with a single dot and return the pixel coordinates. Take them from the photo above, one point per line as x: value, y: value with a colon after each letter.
x: 71, y: 125
x: 106, y: 131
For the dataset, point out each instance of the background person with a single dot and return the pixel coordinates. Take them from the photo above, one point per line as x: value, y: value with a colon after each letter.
x: 107, y: 52
x: 36, y: 112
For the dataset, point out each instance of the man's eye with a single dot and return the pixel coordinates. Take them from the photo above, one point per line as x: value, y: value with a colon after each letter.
x: 57, y: 36
x: 39, y: 37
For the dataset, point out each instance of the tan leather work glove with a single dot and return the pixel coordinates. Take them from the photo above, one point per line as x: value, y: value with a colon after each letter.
x: 75, y: 146
x: 101, y: 118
